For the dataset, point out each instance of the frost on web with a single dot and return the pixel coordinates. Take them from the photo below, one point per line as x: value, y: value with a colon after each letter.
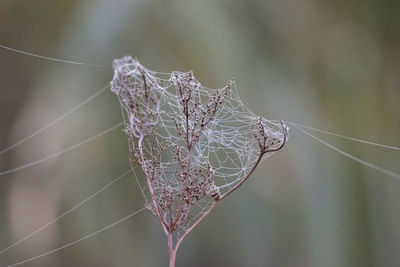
x: 194, y: 144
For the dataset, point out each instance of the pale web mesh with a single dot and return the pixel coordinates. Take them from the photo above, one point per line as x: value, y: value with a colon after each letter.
x: 191, y: 153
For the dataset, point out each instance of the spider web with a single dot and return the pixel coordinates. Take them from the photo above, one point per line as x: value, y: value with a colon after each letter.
x: 223, y: 153
x: 236, y: 115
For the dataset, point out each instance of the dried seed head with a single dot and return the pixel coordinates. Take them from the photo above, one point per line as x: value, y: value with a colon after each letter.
x: 195, y: 145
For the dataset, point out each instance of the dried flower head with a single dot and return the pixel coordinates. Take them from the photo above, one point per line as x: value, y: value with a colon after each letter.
x: 195, y: 145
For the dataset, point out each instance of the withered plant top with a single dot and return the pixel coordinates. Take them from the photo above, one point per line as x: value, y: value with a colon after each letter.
x: 195, y: 145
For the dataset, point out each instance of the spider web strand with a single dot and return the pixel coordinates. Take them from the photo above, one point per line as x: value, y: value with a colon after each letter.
x: 60, y: 152
x: 79, y: 240
x: 53, y: 59
x: 66, y: 114
x: 366, y: 163
x: 65, y: 213
x: 345, y: 137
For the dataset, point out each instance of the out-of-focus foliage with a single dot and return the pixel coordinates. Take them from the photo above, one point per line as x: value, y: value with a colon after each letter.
x: 329, y: 64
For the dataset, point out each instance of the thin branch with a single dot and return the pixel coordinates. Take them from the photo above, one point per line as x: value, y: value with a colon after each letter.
x: 193, y: 226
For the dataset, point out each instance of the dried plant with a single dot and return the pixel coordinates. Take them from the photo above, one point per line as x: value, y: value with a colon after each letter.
x: 195, y: 145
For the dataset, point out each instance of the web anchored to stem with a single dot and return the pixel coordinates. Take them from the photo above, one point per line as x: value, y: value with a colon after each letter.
x: 195, y: 145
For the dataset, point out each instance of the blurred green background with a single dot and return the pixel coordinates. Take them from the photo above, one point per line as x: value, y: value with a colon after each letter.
x: 329, y: 64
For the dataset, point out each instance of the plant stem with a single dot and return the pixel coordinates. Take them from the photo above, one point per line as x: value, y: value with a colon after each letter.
x: 171, y: 250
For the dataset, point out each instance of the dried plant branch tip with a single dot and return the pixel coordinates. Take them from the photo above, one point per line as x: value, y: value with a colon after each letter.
x: 195, y: 145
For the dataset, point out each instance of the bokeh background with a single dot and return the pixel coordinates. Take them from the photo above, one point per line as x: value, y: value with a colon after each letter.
x: 328, y: 64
